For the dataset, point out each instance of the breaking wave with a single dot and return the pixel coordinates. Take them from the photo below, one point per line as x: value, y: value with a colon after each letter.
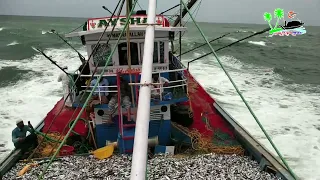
x: 13, y: 43
x: 260, y: 43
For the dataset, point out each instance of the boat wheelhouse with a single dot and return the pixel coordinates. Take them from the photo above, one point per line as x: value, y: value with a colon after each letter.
x: 175, y: 92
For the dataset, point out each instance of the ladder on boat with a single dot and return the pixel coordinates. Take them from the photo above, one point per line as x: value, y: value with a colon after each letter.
x: 127, y: 130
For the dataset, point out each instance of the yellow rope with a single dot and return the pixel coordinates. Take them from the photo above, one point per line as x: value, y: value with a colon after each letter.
x: 46, y: 147
x: 201, y: 143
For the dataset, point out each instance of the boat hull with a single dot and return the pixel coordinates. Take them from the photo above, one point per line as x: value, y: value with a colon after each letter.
x: 221, y: 119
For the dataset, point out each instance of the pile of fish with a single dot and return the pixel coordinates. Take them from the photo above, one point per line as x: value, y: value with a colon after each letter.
x: 163, y: 167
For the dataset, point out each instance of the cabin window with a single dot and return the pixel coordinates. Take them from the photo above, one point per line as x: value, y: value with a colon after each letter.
x: 101, y: 55
x: 122, y: 51
x: 158, y: 53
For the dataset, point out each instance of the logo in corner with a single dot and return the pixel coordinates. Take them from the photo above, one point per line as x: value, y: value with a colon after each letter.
x: 293, y: 27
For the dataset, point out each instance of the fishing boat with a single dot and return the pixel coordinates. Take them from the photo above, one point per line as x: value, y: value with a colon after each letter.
x: 120, y: 51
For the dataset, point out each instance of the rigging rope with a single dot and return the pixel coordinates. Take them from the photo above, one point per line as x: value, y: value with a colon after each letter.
x: 95, y: 70
x: 215, y: 40
x: 169, y: 9
x: 87, y: 100
x: 194, y: 12
x: 238, y: 91
x: 140, y: 6
x: 77, y: 28
x: 257, y: 33
x: 129, y: 59
x: 62, y: 107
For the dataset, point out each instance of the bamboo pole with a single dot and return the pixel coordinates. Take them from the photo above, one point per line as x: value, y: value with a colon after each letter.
x: 129, y: 52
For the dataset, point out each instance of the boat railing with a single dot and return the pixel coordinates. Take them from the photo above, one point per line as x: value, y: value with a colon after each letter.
x: 177, y: 86
x: 181, y: 85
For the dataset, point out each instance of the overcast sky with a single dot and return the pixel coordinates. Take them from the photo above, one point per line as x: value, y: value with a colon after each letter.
x: 228, y: 11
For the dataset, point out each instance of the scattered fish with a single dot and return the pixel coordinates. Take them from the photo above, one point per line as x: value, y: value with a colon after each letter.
x: 161, y: 167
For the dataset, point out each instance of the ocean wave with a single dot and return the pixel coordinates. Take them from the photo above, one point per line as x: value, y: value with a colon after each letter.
x: 13, y: 43
x: 231, y: 39
x: 259, y: 43
x: 2, y: 28
x: 46, y: 32
x: 30, y: 99
x: 275, y: 104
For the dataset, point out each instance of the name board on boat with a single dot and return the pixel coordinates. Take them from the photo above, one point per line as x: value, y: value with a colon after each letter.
x: 124, y: 69
x: 101, y: 23
x: 132, y: 34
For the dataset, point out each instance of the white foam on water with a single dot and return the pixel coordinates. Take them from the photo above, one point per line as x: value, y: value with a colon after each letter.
x: 45, y: 32
x: 260, y: 43
x: 231, y: 39
x: 288, y: 117
x: 2, y: 28
x: 13, y: 43
x: 32, y: 99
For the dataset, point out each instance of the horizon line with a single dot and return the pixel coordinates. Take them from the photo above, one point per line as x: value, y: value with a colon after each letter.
x: 91, y: 17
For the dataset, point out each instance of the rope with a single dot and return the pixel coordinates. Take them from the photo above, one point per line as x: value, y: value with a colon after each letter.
x: 87, y: 100
x: 204, y: 144
x: 62, y: 107
x: 77, y: 28
x: 95, y: 70
x: 129, y: 57
x: 139, y: 6
x: 180, y: 37
x: 47, y: 146
x: 238, y: 91
x: 260, y: 32
x: 169, y: 9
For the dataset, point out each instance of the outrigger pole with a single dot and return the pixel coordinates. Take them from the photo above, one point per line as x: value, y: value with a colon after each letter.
x: 105, y: 8
x: 139, y: 157
x: 80, y: 56
x: 257, y: 33
x: 52, y: 61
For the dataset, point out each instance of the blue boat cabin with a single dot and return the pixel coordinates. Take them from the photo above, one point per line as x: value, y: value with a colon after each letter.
x: 119, y: 127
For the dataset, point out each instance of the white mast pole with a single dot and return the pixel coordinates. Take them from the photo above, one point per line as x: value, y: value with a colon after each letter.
x: 139, y: 157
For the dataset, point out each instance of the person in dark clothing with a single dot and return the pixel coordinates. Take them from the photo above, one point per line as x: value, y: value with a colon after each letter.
x: 125, y: 97
x: 85, y: 68
x: 19, y: 138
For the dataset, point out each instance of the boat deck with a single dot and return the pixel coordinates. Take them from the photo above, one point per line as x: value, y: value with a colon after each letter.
x: 186, y: 167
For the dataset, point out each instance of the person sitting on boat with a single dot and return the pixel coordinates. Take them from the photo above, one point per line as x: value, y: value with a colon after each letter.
x: 65, y: 79
x: 84, y: 67
x: 100, y: 91
x: 156, y: 90
x: 19, y: 138
x: 125, y: 98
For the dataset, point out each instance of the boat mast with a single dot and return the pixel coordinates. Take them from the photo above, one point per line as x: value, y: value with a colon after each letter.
x: 139, y: 157
x: 129, y: 8
x: 184, y: 12
x: 129, y: 4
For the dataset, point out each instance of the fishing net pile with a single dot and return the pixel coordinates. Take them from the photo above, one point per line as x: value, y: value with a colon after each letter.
x: 48, y: 146
x: 206, y: 144
x: 208, y: 166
